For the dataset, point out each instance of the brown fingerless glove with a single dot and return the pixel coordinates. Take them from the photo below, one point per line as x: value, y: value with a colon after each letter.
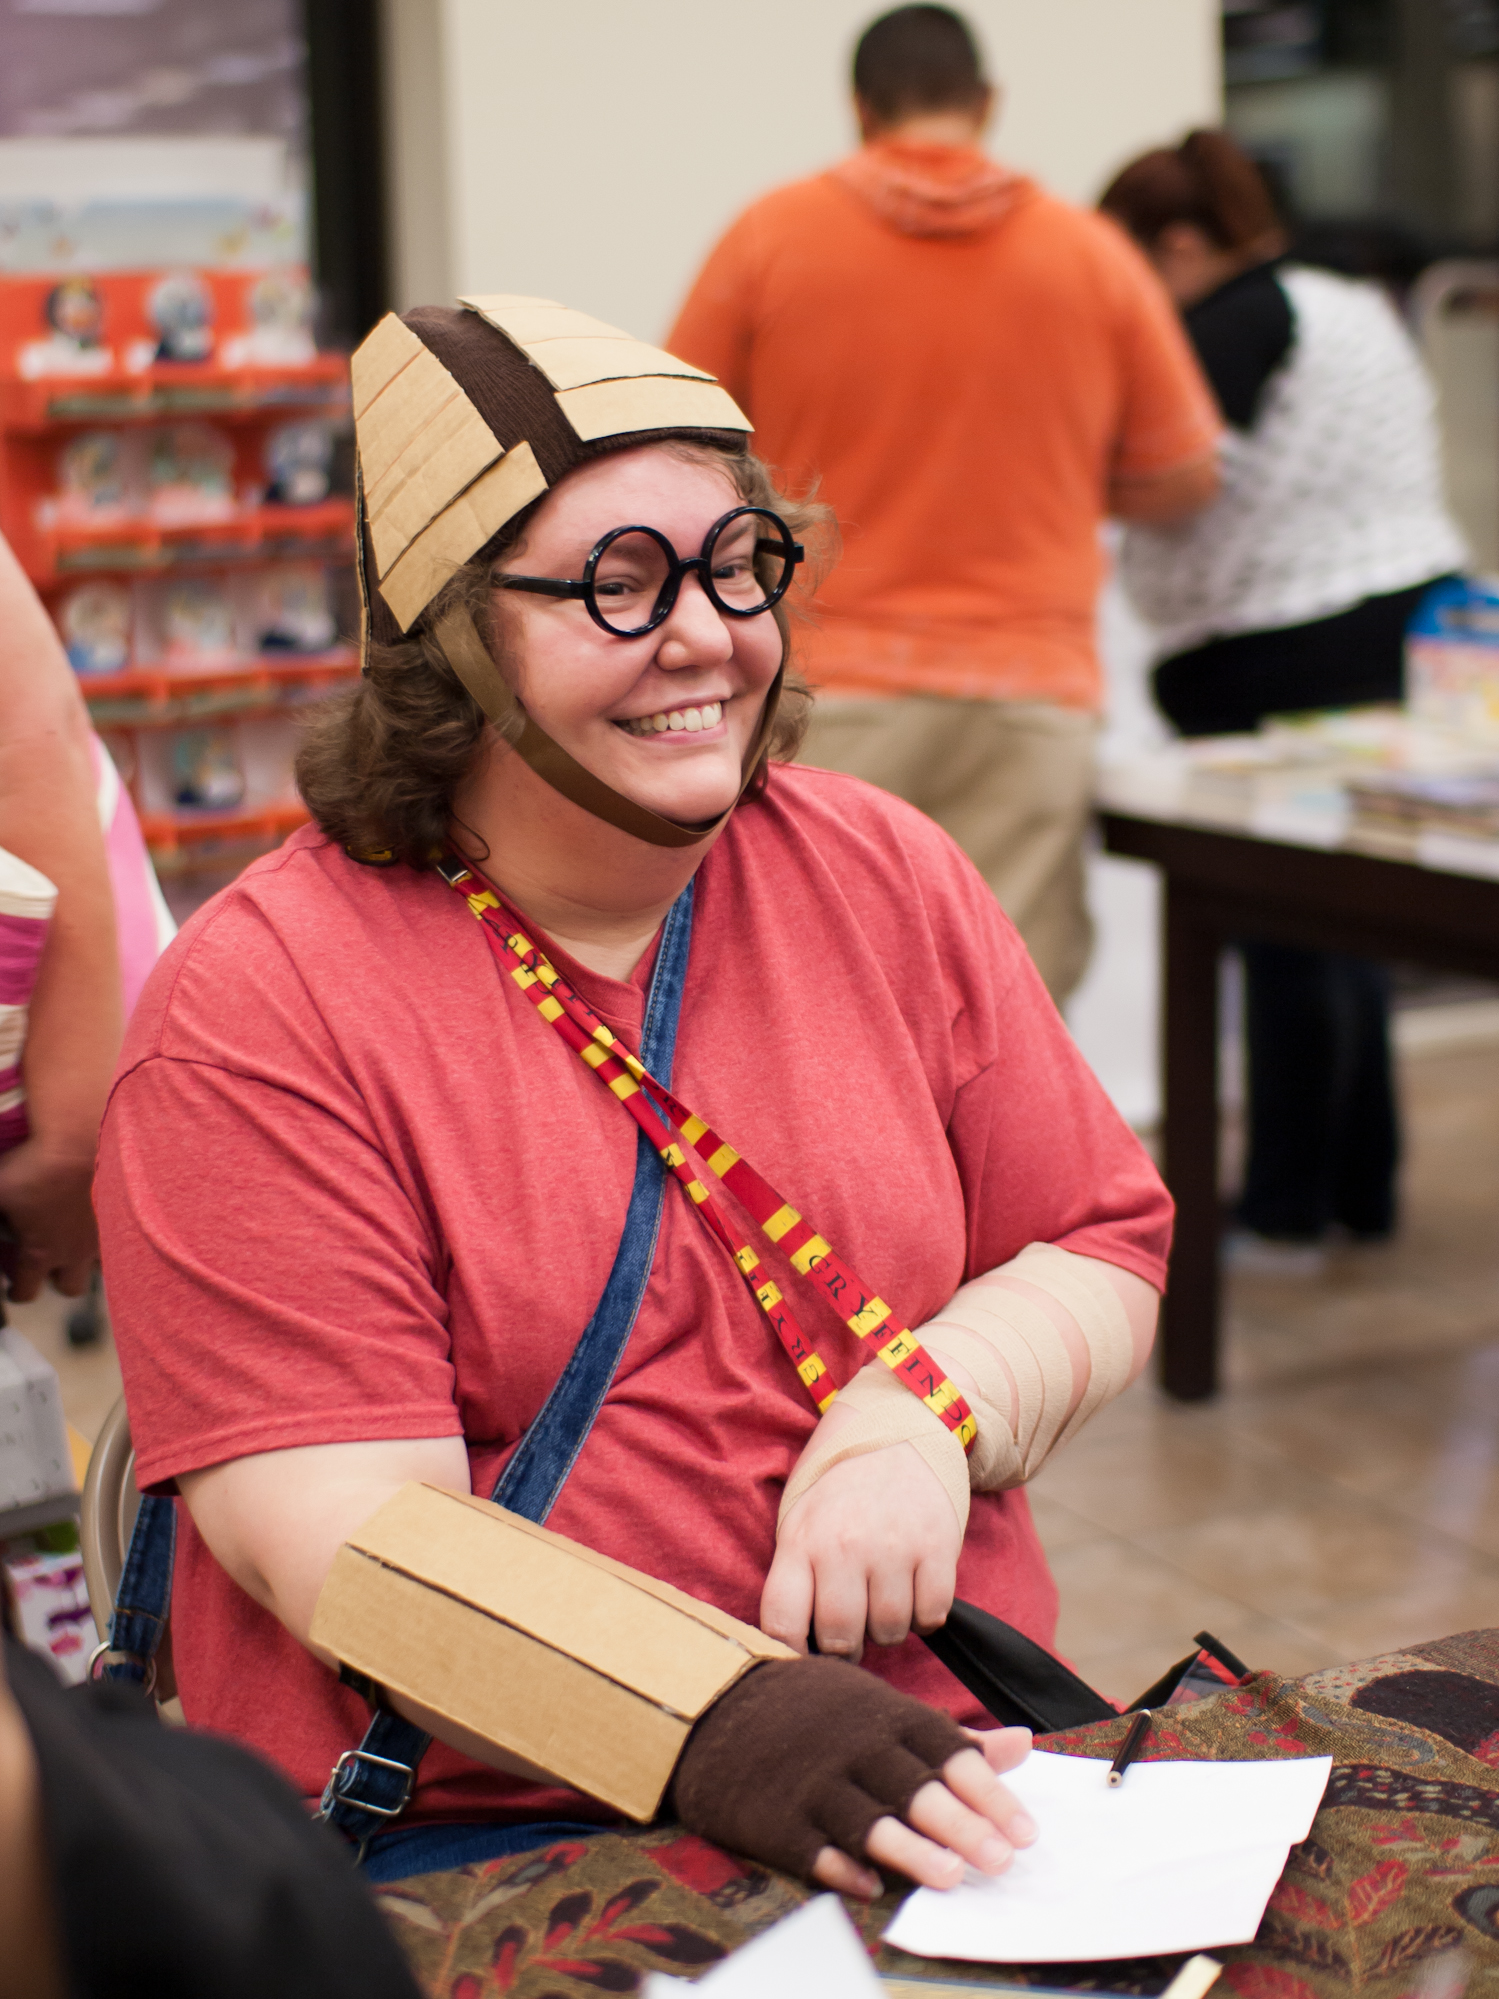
x: 806, y: 1753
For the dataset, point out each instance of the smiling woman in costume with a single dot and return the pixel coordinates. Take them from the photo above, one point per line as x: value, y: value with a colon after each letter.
x: 580, y: 1009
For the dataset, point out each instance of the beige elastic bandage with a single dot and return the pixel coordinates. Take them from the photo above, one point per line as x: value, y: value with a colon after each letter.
x: 986, y: 1327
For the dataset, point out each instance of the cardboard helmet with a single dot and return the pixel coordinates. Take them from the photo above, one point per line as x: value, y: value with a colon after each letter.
x: 465, y: 415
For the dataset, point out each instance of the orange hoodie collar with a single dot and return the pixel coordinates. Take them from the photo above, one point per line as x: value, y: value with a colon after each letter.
x: 932, y: 190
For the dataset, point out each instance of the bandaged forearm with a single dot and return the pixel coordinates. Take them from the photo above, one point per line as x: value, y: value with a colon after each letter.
x: 1023, y: 1375
x: 1004, y: 1338
x: 528, y: 1651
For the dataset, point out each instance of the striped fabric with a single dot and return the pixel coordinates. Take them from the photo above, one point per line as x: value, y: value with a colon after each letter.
x: 27, y: 900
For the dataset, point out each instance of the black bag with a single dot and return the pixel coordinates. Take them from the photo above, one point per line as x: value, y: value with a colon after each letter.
x: 1021, y: 1684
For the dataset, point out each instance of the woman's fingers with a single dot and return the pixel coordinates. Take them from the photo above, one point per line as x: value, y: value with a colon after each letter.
x: 1002, y: 1748
x: 834, y: 1869
x: 977, y: 1833
x: 968, y: 1819
x: 786, y: 1600
x: 969, y: 1781
x: 936, y: 1585
x: 842, y: 1609
x: 923, y: 1861
x: 890, y: 1603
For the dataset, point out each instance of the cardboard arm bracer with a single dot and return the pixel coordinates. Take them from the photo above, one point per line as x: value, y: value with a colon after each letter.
x: 527, y: 1651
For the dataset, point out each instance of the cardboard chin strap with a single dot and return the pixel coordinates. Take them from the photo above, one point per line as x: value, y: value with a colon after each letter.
x: 470, y: 659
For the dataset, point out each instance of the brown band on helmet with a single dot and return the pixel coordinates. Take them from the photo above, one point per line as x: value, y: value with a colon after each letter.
x: 469, y: 658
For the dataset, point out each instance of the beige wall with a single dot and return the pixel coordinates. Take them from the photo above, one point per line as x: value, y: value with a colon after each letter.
x: 591, y: 150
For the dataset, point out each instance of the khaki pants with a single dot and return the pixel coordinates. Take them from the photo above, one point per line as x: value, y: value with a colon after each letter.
x: 1012, y: 781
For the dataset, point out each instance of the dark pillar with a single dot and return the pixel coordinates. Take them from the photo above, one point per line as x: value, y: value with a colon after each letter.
x: 348, y: 166
x: 1423, y: 152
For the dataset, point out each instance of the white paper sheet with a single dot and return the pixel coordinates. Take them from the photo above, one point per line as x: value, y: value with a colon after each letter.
x: 816, y: 1953
x: 1180, y: 1856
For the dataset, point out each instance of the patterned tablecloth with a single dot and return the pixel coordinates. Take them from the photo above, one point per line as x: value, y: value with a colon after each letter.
x: 1396, y: 1891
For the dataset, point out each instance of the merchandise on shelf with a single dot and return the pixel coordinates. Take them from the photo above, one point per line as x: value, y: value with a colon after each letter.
x: 180, y: 309
x: 293, y: 610
x: 94, y: 620
x: 35, y: 1462
x: 196, y: 622
x: 205, y: 769
x: 189, y: 475
x: 171, y: 445
x: 299, y: 463
x: 72, y: 341
x: 1452, y: 656
x: 47, y: 1599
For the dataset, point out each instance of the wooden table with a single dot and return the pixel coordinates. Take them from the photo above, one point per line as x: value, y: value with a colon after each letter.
x: 1222, y: 883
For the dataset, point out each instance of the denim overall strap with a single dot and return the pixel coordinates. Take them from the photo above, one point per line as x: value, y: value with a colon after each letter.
x: 530, y: 1483
x: 371, y: 1786
x: 143, y: 1598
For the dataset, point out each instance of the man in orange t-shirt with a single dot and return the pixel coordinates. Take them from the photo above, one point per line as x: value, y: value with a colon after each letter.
x: 973, y: 374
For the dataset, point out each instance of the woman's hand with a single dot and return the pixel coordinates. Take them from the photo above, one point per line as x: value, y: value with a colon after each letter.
x: 46, y: 1202
x: 872, y: 1549
x: 968, y: 1819
x: 819, y: 1768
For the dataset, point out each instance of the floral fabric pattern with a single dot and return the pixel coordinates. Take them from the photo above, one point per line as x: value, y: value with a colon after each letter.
x: 1395, y: 1892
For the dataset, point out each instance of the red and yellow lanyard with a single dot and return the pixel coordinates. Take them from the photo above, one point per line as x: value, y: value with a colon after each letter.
x: 652, y: 1106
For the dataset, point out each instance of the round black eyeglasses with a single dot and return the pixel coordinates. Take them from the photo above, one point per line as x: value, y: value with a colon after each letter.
x: 632, y: 577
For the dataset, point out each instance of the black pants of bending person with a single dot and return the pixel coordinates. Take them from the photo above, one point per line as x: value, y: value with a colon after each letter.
x: 1324, y: 1132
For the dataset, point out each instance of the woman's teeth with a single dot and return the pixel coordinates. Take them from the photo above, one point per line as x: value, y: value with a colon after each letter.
x: 707, y: 716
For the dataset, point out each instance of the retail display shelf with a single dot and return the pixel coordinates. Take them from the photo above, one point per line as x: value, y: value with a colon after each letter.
x: 54, y: 554
x: 320, y: 385
x: 157, y: 697
x: 192, y: 839
x: 174, y: 475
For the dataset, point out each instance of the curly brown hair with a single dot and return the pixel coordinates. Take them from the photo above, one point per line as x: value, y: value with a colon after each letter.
x: 379, y: 763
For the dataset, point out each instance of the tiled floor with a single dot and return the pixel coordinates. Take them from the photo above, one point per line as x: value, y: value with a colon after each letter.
x: 1340, y: 1498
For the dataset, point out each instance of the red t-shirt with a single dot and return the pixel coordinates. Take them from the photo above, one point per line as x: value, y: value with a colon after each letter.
x: 352, y: 1186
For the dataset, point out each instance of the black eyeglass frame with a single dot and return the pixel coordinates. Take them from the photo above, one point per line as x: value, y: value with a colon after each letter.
x: 790, y: 553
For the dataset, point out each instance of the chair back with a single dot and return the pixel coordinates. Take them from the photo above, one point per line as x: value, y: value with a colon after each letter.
x: 107, y: 1515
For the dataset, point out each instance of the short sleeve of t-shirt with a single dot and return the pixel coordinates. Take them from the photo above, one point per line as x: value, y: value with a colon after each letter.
x: 252, y: 1194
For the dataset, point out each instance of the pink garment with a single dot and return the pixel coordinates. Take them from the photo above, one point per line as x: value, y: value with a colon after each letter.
x: 933, y: 190
x: 352, y: 1187
x: 143, y: 923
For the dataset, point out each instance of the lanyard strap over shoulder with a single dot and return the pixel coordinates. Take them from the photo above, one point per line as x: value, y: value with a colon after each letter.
x: 673, y: 1129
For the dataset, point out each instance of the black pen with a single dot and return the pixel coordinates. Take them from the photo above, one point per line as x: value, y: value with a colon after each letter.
x: 1130, y: 1748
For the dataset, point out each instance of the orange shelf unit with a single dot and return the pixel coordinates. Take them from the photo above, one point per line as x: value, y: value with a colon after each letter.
x: 318, y: 387
x: 88, y: 354
x: 155, y: 697
x: 56, y: 554
x: 189, y: 841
